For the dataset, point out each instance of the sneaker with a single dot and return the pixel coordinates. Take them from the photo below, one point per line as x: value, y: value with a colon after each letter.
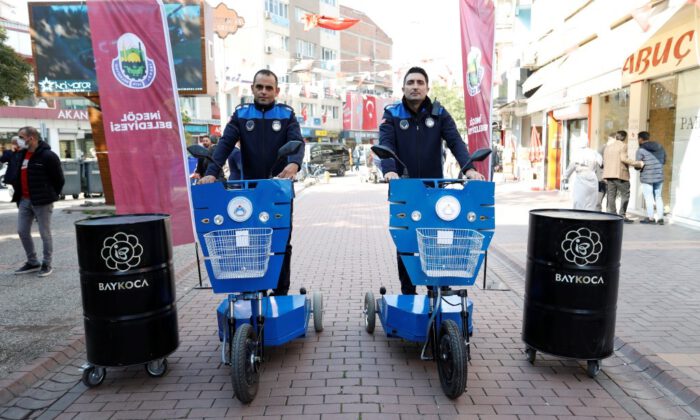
x: 647, y: 221
x: 45, y: 270
x: 628, y: 220
x: 28, y: 268
x: 660, y: 222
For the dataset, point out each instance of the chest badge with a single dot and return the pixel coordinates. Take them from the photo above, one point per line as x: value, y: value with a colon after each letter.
x: 276, y: 125
x: 250, y: 125
x: 429, y: 122
x: 403, y: 124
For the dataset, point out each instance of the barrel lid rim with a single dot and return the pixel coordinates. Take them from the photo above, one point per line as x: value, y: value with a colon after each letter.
x: 602, y: 216
x: 89, y: 220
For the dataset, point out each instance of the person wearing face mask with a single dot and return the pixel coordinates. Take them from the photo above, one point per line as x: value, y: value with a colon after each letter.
x: 37, y: 181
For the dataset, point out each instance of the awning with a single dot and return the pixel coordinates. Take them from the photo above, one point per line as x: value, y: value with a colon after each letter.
x: 596, y: 67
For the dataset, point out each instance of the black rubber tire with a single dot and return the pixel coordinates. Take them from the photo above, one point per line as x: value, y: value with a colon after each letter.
x: 245, y: 372
x: 451, y: 360
x: 341, y: 171
x: 317, y: 308
x: 531, y: 355
x: 370, y: 312
x: 156, y: 368
x: 593, y: 368
x: 94, y: 376
x: 75, y: 196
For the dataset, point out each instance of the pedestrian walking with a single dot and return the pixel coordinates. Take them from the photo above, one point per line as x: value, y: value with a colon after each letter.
x: 584, y: 165
x: 37, y: 184
x: 414, y: 129
x: 262, y: 128
x: 653, y: 158
x: 616, y: 173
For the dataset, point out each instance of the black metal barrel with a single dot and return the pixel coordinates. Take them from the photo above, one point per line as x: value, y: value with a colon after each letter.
x: 573, y: 266
x: 128, y: 288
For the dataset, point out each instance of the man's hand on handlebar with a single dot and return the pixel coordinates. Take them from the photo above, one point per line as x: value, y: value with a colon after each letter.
x: 391, y: 175
x: 289, y: 171
x: 474, y: 174
x: 207, y: 180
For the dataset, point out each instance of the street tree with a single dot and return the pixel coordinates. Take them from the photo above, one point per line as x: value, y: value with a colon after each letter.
x: 14, y: 73
x: 452, y: 98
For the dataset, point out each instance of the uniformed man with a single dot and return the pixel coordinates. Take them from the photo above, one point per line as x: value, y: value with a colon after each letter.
x: 261, y: 129
x: 414, y: 129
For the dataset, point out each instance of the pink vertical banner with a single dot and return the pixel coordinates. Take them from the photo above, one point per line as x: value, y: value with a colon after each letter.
x: 141, y: 115
x: 477, y: 25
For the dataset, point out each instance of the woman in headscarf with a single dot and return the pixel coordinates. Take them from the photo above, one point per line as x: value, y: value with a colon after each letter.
x: 584, y: 164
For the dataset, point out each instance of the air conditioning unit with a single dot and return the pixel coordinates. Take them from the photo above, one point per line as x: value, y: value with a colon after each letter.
x: 268, y: 50
x: 266, y: 14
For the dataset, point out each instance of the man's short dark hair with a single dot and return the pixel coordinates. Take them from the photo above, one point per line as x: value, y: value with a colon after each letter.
x: 416, y: 70
x: 621, y: 135
x: 31, y: 131
x: 644, y: 135
x: 265, y: 72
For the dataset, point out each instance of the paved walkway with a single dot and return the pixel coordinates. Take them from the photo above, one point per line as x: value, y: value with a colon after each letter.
x: 343, y: 249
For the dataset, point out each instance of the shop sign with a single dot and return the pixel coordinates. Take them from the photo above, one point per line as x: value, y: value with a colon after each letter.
x: 196, y: 129
x: 670, y: 50
x: 321, y: 133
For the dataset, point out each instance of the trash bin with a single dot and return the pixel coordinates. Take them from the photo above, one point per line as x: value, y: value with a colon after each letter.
x: 92, y: 183
x: 71, y: 173
x: 573, y: 265
x: 128, y: 291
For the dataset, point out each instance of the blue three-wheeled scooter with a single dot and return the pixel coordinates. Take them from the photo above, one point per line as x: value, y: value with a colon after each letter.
x: 244, y: 227
x: 441, y: 228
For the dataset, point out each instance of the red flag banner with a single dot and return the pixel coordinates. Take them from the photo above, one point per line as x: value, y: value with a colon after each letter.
x: 369, y: 112
x: 141, y: 116
x: 336, y: 24
x: 477, y: 28
x: 347, y: 112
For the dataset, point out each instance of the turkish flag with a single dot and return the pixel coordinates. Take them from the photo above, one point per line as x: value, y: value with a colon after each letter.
x: 369, y: 112
x: 304, y: 113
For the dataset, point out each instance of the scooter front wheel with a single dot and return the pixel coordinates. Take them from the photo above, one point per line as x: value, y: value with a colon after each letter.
x: 245, y: 369
x: 451, y: 359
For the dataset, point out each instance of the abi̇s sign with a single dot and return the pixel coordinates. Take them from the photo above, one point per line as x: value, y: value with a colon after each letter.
x: 671, y: 49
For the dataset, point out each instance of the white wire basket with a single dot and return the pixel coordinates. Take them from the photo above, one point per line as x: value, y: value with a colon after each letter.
x: 239, y: 253
x: 449, y: 252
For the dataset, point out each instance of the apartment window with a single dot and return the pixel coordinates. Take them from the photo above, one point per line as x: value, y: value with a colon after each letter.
x: 277, y: 41
x: 331, y: 2
x: 299, y: 14
x: 306, y: 49
x: 329, y: 32
x: 328, y: 54
x: 277, y: 8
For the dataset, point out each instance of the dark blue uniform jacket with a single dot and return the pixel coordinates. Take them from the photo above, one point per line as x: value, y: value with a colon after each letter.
x: 261, y: 131
x: 416, y: 138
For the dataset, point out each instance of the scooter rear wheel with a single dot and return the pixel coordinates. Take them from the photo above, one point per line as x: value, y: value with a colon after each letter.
x: 451, y: 359
x: 370, y: 312
x: 245, y: 372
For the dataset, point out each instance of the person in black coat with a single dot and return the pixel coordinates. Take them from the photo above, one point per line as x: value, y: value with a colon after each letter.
x: 37, y: 181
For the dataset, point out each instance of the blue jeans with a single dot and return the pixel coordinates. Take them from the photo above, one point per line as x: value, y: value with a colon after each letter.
x: 652, y: 195
x: 27, y: 214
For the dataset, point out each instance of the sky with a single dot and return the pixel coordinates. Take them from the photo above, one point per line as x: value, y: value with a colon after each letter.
x: 419, y: 32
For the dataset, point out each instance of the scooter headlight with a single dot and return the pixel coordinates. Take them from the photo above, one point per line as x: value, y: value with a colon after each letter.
x: 218, y: 220
x: 264, y: 216
x: 448, y: 208
x: 239, y: 209
x: 416, y: 216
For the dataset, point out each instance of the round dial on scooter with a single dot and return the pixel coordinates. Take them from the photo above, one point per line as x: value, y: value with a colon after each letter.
x: 448, y: 208
x: 239, y: 209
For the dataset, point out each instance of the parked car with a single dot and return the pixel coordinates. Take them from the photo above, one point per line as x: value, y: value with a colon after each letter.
x: 333, y: 157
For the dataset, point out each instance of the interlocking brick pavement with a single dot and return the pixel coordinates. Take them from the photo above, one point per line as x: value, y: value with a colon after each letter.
x: 342, y: 248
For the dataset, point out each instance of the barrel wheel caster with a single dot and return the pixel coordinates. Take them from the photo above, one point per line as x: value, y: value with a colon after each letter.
x: 245, y: 364
x: 531, y: 355
x: 302, y: 291
x: 593, y: 368
x: 62, y: 196
x: 157, y: 368
x: 451, y: 359
x: 370, y: 312
x: 75, y: 196
x: 94, y: 376
x: 382, y: 290
x: 317, y: 309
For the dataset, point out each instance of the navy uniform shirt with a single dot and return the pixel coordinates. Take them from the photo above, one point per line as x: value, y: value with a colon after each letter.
x: 416, y: 138
x: 262, y: 130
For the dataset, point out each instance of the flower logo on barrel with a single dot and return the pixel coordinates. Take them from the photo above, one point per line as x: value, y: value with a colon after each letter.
x: 121, y: 251
x: 582, y: 246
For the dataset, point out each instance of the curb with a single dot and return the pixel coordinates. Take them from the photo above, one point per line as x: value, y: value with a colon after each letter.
x: 26, y: 376
x: 658, y: 370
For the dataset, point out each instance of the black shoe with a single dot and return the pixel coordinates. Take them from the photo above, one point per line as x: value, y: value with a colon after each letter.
x: 45, y: 270
x: 28, y: 268
x: 660, y: 222
x: 647, y: 221
x: 279, y: 293
x: 628, y: 220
